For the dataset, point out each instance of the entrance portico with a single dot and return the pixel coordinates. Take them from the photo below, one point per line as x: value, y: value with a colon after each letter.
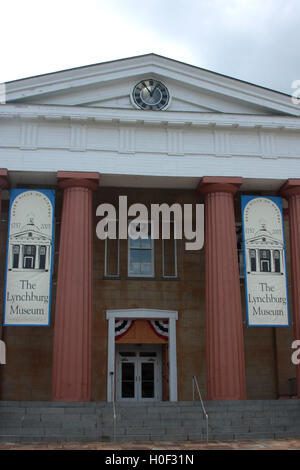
x: 171, y: 316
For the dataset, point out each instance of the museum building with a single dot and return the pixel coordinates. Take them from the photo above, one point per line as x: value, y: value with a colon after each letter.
x: 129, y: 319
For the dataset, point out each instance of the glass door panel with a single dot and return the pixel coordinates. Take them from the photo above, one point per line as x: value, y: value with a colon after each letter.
x: 138, y: 372
x: 128, y: 380
x: 147, y: 380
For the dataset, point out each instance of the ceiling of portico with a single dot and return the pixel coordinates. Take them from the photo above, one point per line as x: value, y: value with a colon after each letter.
x: 18, y: 178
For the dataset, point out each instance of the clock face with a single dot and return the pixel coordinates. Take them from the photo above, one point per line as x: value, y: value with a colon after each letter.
x: 150, y: 94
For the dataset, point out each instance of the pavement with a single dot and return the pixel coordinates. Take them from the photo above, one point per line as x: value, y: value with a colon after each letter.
x: 279, y: 444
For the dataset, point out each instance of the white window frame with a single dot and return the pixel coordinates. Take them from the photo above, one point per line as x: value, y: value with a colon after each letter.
x: 140, y: 275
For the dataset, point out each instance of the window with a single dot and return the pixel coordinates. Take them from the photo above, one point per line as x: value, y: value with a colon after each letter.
x: 276, y: 255
x: 240, y: 249
x: 42, y: 263
x: 16, y: 255
x: 29, y: 256
x: 265, y: 261
x: 141, y: 254
x: 252, y: 254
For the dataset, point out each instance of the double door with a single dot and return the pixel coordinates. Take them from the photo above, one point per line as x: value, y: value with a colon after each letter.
x: 138, y: 373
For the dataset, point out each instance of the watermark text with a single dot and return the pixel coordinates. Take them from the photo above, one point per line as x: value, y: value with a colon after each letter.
x: 296, y: 354
x: 161, y: 221
x: 296, y: 93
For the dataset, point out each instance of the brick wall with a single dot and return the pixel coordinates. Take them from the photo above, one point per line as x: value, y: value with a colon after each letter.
x: 27, y: 374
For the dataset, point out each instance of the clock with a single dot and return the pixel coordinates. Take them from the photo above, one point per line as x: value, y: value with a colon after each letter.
x: 150, y: 94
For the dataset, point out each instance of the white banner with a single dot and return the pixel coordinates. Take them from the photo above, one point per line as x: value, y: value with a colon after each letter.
x: 29, y: 258
x: 265, y: 263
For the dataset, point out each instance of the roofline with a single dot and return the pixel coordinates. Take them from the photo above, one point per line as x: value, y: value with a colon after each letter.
x: 145, y: 55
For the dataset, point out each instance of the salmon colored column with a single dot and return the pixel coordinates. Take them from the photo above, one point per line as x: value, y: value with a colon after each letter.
x: 225, y: 363
x: 74, y: 295
x: 291, y: 191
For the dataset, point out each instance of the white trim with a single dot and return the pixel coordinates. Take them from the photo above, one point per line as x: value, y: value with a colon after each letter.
x: 172, y: 360
x: 138, y: 360
x: 110, y: 358
x: 133, y: 116
x: 134, y: 313
x: 141, y: 313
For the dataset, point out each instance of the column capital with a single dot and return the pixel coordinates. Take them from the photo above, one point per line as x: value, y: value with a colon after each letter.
x: 217, y: 184
x: 290, y: 188
x: 78, y: 179
x: 4, y: 178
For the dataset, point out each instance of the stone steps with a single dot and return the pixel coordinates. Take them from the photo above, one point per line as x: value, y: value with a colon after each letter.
x: 162, y: 421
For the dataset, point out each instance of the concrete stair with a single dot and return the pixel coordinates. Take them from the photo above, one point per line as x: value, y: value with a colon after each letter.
x: 162, y: 421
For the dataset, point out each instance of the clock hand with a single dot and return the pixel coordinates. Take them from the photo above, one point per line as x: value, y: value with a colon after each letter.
x: 147, y: 88
x: 154, y: 88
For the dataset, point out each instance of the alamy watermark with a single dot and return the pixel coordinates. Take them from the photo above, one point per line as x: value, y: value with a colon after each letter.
x: 296, y: 93
x: 146, y: 224
x: 2, y: 352
x: 296, y: 354
x: 2, y: 93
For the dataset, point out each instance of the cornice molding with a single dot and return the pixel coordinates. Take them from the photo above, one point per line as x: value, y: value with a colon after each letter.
x: 83, y: 114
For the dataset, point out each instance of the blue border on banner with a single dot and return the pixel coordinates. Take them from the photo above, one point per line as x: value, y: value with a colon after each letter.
x: 50, y: 193
x: 277, y: 200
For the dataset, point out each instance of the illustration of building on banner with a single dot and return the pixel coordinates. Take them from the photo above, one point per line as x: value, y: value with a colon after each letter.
x: 29, y: 258
x: 265, y: 254
x: 265, y: 266
x: 29, y: 248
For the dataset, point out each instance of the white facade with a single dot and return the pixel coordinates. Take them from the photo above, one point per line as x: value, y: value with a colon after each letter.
x: 84, y: 120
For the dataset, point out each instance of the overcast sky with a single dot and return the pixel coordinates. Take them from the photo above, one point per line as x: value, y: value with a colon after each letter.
x: 253, y: 40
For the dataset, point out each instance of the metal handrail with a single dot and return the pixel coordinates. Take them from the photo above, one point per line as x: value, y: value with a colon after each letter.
x: 195, y: 383
x: 113, y: 404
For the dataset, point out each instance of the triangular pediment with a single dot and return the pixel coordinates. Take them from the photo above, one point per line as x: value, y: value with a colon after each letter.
x: 29, y: 235
x: 263, y: 238
x: 110, y: 84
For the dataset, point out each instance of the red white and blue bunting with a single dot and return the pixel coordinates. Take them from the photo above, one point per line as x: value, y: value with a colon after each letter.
x: 161, y: 328
x: 121, y: 327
